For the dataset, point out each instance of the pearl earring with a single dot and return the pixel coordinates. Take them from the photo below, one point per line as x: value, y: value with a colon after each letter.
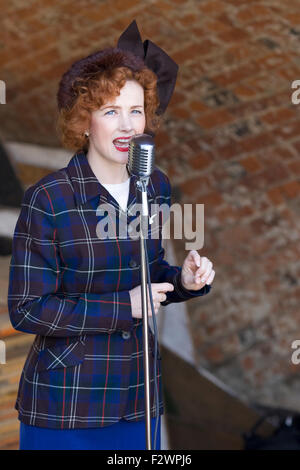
x: 86, y: 133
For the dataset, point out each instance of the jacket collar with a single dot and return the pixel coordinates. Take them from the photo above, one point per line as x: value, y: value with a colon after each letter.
x: 86, y: 186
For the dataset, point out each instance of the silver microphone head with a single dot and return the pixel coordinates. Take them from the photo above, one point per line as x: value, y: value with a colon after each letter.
x: 141, y: 155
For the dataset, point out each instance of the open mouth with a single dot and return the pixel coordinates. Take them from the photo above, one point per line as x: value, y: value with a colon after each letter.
x: 122, y: 144
x: 121, y: 147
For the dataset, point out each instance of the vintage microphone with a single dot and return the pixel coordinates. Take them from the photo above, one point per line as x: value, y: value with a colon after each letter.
x: 141, y: 165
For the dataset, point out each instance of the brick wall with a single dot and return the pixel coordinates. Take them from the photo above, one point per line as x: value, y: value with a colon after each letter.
x: 230, y: 140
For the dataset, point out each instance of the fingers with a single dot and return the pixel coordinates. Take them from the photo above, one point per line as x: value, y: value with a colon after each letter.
x: 211, y: 277
x: 162, y: 286
x: 158, y: 290
x: 196, y: 257
x: 157, y: 299
x: 202, y: 274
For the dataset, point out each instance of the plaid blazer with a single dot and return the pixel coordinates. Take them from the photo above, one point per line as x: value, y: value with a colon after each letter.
x: 70, y: 289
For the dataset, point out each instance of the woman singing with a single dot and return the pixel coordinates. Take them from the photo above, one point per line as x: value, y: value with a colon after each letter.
x: 82, y: 385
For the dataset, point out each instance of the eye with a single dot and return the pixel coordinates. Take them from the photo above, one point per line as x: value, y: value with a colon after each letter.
x: 113, y: 111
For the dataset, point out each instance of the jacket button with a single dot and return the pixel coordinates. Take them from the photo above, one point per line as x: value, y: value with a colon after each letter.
x: 132, y: 263
x: 126, y: 334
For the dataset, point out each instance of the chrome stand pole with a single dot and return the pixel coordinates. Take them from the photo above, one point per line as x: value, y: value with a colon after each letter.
x: 144, y: 217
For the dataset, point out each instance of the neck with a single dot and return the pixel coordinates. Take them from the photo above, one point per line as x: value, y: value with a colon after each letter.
x: 107, y: 172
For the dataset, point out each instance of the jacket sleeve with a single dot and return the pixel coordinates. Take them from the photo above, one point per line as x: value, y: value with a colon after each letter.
x: 35, y: 302
x: 163, y: 272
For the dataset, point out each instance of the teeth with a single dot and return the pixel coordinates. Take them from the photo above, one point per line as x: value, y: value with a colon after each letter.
x: 122, y: 141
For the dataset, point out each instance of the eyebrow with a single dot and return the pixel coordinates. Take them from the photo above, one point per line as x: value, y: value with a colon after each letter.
x: 118, y: 107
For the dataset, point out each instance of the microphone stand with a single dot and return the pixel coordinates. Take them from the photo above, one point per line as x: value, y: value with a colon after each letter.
x: 141, y: 187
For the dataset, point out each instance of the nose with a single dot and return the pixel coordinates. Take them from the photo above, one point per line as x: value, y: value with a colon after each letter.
x: 125, y: 122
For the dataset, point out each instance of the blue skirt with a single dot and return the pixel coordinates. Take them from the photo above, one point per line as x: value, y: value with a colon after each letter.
x: 123, y: 435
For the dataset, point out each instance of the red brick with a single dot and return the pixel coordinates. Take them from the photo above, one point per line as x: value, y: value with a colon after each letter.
x: 233, y: 35
x: 274, y: 173
x: 217, y: 26
x: 289, y: 73
x: 189, y: 52
x: 292, y: 18
x: 289, y: 130
x: 296, y: 145
x: 162, y: 138
x: 230, y: 150
x: 251, y: 164
x: 236, y: 75
x: 215, y: 118
x: 239, y: 51
x: 251, y: 12
x: 193, y: 186
x: 248, y: 362
x: 13, y: 54
x: 231, y: 345
x: 278, y: 115
x: 189, y: 19
x: 37, y: 42
x: 200, y: 161
x: 259, y: 226
x: 177, y: 98
x: 205, y: 47
x: 27, y: 85
x: 213, y: 354
x: 271, y: 285
x: 211, y: 199
x: 244, y: 91
x: 181, y: 113
x: 54, y: 72
x: 24, y: 66
x: 162, y: 6
x: 260, y: 247
x: 257, y: 142
x: 225, y: 215
x: 33, y: 24
x: 283, y: 153
x: 198, y: 32
x: 179, y: 2
x: 198, y: 106
x: 275, y: 196
x: 259, y: 83
x: 97, y: 13
x: 244, y: 212
x: 291, y: 189
x: 294, y: 167
x: 212, y: 7
x: 24, y: 13
x: 274, y: 60
x: 195, y: 68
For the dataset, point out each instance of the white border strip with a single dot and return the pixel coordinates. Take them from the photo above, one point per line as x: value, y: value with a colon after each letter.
x: 43, y: 157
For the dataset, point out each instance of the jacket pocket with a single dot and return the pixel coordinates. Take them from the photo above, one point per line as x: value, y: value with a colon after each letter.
x: 61, y: 356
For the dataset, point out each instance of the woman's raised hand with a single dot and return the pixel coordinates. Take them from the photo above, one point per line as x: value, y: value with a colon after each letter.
x: 158, y: 294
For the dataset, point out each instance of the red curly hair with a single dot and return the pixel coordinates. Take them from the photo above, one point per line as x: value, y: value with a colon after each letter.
x: 94, y: 92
